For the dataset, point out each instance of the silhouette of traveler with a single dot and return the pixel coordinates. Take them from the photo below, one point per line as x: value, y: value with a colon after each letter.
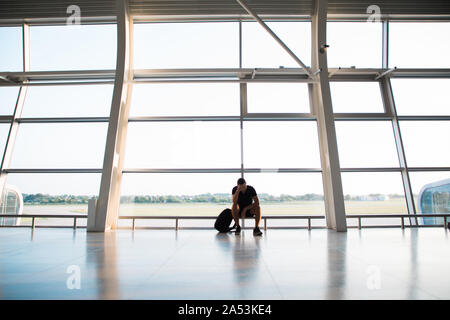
x: 245, y: 204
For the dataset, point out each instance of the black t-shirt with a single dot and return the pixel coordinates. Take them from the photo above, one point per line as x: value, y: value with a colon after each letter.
x: 245, y: 198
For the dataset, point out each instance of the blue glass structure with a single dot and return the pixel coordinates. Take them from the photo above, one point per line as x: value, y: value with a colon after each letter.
x: 434, y: 198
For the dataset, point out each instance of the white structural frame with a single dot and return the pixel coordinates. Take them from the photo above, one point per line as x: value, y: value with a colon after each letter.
x: 321, y: 102
x: 124, y: 76
x: 107, y: 205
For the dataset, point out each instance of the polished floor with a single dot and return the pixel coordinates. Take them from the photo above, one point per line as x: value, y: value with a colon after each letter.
x: 201, y: 264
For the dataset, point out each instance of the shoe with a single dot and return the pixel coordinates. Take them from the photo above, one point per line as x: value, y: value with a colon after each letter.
x: 238, y: 230
x: 257, y: 232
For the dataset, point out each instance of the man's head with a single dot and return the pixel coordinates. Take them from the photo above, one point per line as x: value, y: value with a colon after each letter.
x: 241, y: 183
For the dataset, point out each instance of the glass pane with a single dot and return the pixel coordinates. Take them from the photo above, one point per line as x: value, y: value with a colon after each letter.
x: 366, y: 144
x: 186, y: 45
x: 193, y: 144
x: 68, y: 101
x: 426, y: 143
x: 8, y: 99
x: 55, y: 193
x: 356, y: 97
x: 373, y: 192
x: 419, y: 44
x: 259, y: 49
x: 11, y: 55
x: 176, y: 194
x: 356, y: 44
x: 288, y: 193
x: 421, y: 96
x: 60, y: 145
x: 85, y: 47
x: 4, y: 130
x: 431, y: 194
x: 278, y: 98
x: 281, y: 144
x: 185, y: 99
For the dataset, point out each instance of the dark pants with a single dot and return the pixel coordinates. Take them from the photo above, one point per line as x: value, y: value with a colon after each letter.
x: 248, y: 214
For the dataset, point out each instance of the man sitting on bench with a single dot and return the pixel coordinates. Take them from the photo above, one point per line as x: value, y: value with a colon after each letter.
x: 243, y: 196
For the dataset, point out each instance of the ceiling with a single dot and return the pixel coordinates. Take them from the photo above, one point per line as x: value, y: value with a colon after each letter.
x: 20, y: 9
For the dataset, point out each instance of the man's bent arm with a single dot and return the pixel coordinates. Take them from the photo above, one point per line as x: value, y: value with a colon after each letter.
x: 253, y: 205
x: 236, y: 196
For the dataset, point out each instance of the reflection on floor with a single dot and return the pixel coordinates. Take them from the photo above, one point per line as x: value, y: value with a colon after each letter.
x: 201, y: 264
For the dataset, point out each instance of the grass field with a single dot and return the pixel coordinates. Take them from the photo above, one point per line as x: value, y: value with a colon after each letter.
x: 211, y: 209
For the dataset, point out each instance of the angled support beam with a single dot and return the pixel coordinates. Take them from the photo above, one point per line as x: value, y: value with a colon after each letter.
x: 388, y: 99
x: 321, y: 102
x: 107, y: 207
x: 280, y: 42
x: 14, y: 127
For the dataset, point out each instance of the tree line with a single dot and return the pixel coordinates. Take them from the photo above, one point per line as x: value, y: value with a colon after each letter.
x: 39, y: 198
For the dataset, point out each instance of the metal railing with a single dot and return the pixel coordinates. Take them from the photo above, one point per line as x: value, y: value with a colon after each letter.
x: 402, y: 217
x: 33, y: 218
x: 177, y: 218
x: 309, y: 218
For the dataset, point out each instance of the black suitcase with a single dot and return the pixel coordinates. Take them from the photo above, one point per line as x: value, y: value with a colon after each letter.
x: 223, y: 221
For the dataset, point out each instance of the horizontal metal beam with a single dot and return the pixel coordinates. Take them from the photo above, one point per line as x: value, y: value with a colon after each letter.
x: 6, y: 119
x: 380, y: 169
x: 424, y: 215
x: 420, y: 73
x: 57, y: 21
x: 219, y: 170
x: 51, y: 170
x: 182, y: 118
x: 395, y: 169
x: 253, y: 116
x: 59, y: 75
x: 419, y: 169
x: 222, y: 170
x: 214, y: 74
x: 424, y: 118
x: 57, y: 83
x: 248, y: 117
x: 369, y: 74
x: 272, y: 79
x: 219, y: 18
x: 62, y: 119
x: 22, y: 216
x: 319, y: 217
x: 391, y: 17
x: 382, y: 116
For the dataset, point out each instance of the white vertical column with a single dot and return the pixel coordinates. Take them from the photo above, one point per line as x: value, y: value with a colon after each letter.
x: 385, y: 47
x: 242, y: 101
x: 243, y: 111
x: 10, y: 141
x: 321, y: 102
x: 107, y: 208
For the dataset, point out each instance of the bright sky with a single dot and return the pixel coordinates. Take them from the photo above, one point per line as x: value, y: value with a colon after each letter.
x: 267, y: 145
